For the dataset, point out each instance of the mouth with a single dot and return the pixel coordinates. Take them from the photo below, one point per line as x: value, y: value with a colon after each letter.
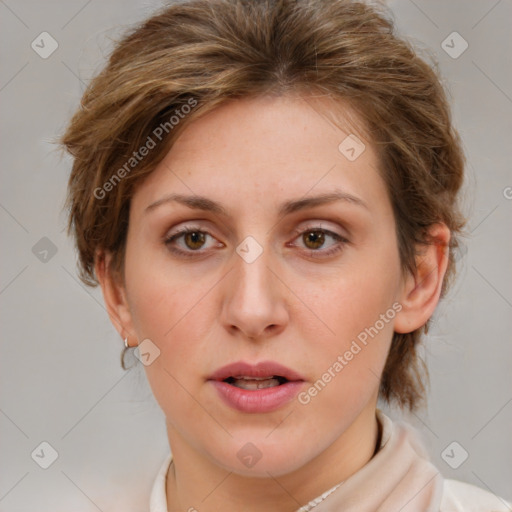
x: 254, y: 383
x: 265, y: 374
x: 256, y: 388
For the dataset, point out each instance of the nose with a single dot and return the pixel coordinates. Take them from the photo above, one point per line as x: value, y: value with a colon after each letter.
x: 255, y: 304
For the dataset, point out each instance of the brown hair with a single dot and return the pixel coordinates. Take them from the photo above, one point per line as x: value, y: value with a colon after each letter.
x: 196, y: 54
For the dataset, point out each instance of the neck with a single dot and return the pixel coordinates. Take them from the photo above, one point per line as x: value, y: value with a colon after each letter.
x: 195, y: 482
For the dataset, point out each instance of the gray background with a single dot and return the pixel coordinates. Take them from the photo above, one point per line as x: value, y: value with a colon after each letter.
x: 60, y: 378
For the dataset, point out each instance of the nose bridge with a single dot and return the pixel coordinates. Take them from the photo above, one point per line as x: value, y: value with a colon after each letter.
x: 252, y: 272
x: 253, y: 302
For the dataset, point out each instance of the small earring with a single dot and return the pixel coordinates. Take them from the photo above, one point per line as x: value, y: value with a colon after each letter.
x: 126, y: 342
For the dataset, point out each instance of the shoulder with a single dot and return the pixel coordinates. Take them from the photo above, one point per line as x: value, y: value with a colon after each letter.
x: 461, y: 496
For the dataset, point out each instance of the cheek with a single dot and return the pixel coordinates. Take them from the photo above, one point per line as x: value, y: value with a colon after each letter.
x: 349, y: 306
x: 174, y: 313
x: 176, y: 319
x: 158, y: 294
x: 355, y: 316
x: 154, y: 307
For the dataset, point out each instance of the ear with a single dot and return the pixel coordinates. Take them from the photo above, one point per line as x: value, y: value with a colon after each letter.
x: 421, y: 291
x: 114, y: 296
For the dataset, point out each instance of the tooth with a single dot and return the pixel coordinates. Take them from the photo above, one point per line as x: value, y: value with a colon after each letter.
x: 253, y: 384
x: 252, y: 378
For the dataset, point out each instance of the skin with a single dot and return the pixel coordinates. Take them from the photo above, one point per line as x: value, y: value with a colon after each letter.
x: 293, y: 304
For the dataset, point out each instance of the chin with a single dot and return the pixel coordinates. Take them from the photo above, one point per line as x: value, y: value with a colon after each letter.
x: 261, y: 458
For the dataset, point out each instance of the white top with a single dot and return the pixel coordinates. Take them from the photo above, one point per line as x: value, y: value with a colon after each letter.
x: 398, y: 477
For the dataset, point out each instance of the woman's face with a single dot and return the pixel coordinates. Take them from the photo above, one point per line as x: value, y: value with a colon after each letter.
x: 268, y: 274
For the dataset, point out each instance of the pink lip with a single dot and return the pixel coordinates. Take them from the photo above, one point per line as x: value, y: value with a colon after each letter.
x: 259, y: 400
x: 262, y: 369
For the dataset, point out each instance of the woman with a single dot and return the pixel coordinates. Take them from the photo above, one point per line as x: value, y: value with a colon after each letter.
x: 266, y: 192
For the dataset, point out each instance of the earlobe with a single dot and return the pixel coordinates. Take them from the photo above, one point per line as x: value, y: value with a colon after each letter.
x: 421, y: 291
x: 114, y: 295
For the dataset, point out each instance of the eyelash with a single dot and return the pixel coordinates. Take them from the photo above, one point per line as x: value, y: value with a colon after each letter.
x: 342, y: 241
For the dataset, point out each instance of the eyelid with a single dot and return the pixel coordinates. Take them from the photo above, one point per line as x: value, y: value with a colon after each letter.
x: 186, y: 229
x: 298, y: 231
x: 320, y: 226
x: 170, y: 239
x: 340, y: 239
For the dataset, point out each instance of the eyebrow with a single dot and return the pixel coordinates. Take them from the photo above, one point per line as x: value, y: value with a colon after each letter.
x: 196, y: 202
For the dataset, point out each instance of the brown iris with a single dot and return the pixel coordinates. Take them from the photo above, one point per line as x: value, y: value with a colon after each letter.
x: 196, y: 239
x: 317, y: 238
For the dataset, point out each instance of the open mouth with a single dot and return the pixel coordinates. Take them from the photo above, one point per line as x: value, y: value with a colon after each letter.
x: 253, y: 383
x: 256, y: 388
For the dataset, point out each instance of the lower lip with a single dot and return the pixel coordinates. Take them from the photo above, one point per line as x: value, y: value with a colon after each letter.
x: 259, y: 400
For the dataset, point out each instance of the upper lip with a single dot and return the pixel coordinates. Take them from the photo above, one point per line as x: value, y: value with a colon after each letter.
x: 261, y: 369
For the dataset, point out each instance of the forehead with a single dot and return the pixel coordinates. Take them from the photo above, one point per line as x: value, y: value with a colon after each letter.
x: 281, y: 128
x: 251, y: 150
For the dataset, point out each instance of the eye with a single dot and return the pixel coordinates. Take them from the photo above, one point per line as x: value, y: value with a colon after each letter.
x: 314, y: 238
x: 193, y: 239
